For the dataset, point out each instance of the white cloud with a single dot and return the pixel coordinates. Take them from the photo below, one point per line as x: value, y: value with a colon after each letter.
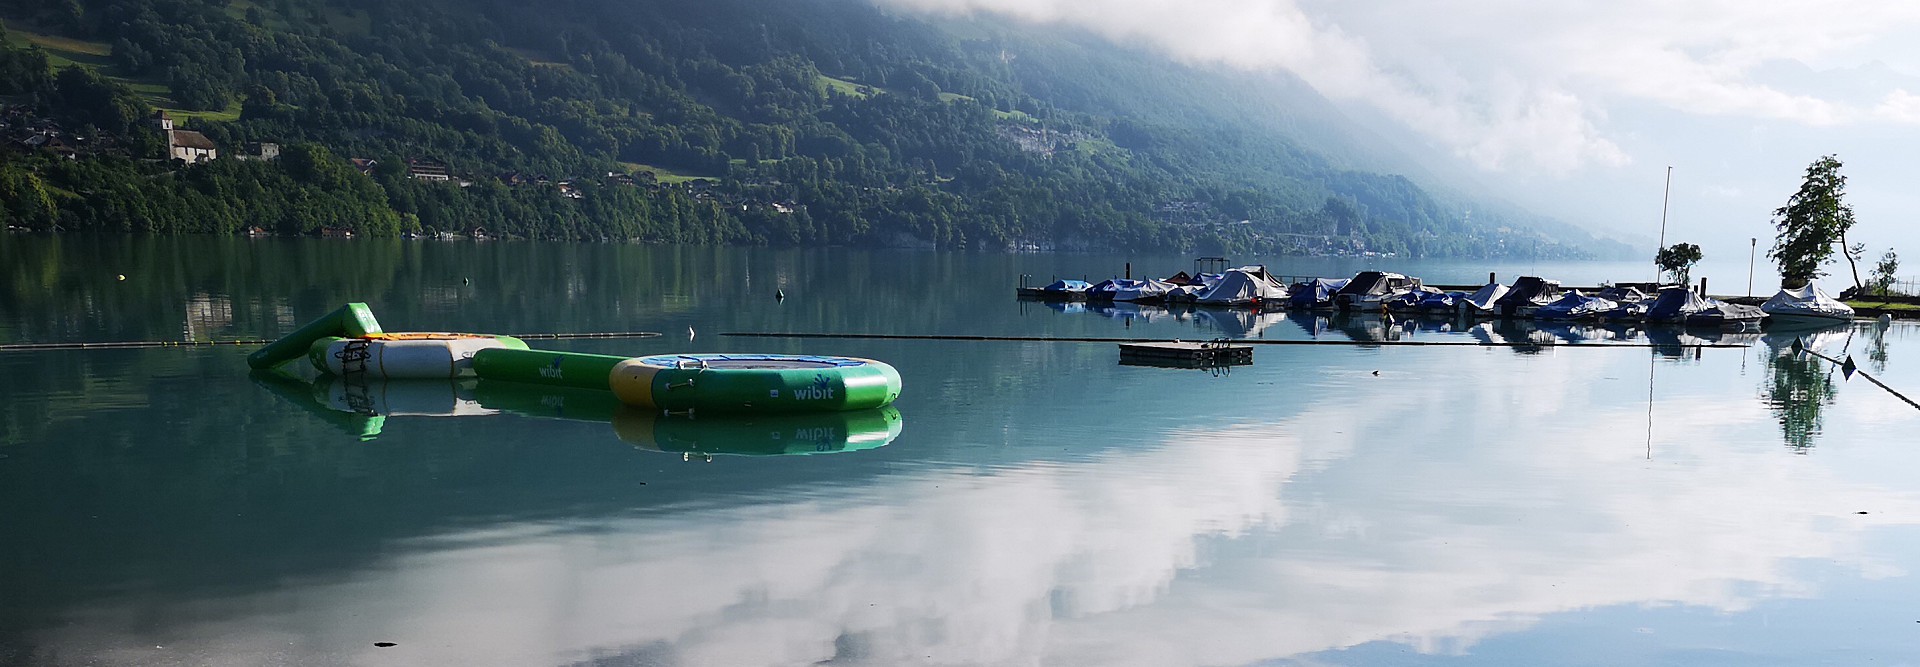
x: 1900, y: 106
x: 1516, y: 84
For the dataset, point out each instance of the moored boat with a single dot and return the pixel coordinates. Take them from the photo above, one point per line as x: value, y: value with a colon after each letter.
x: 1805, y: 307
x: 1574, y: 306
x: 1368, y: 291
x: 1526, y: 295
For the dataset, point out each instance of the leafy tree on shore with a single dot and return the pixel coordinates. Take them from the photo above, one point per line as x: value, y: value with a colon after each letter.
x: 1882, y: 278
x: 1678, y: 260
x: 1814, y: 219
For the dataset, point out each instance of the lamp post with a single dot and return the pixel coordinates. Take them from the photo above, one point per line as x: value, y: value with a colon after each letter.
x: 1753, y: 246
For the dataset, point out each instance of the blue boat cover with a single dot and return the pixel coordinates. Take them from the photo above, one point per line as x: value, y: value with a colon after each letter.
x: 1067, y: 286
x: 1313, y: 293
x: 1675, y: 304
x: 1443, y: 303
x: 1573, y: 306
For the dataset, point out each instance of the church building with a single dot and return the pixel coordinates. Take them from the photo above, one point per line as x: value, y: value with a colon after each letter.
x: 185, y: 145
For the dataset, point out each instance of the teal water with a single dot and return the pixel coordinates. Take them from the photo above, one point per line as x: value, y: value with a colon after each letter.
x: 1041, y: 503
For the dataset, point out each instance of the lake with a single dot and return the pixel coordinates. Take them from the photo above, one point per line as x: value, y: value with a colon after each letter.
x: 1587, y: 503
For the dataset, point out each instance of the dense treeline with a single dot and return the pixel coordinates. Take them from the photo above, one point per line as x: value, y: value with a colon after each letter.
x: 817, y: 121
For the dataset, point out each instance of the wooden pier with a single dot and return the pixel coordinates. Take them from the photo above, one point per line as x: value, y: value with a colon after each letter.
x: 1185, y: 354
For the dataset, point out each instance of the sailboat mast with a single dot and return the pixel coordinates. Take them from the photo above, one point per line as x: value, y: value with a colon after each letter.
x: 1665, y: 195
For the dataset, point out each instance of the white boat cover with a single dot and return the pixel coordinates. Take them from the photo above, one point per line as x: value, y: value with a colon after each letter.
x: 1484, y: 298
x: 1807, y: 302
x: 1240, y: 287
x: 1146, y: 289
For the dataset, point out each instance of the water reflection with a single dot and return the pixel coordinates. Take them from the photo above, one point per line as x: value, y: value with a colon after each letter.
x: 1255, y: 542
x: 1237, y: 322
x: 1799, y: 387
x: 362, y: 410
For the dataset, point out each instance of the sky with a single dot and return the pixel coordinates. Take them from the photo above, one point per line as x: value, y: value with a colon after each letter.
x: 1576, y: 109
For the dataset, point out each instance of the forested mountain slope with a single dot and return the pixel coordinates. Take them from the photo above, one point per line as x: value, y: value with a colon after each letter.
x: 717, y: 121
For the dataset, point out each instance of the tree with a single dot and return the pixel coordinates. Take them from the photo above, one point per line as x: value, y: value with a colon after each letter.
x: 1678, y: 260
x: 1883, y: 274
x: 1812, y: 221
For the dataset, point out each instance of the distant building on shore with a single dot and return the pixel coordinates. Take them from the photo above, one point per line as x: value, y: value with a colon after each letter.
x: 429, y: 170
x: 261, y: 151
x: 186, y: 145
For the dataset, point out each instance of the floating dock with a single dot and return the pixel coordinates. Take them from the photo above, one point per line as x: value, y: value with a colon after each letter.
x: 1181, y: 353
x: 1038, y: 294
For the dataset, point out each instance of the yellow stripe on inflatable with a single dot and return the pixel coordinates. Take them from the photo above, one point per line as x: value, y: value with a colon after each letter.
x: 632, y: 382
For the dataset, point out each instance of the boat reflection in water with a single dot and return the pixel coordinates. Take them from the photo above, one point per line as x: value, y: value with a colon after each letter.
x: 1799, y: 387
x: 362, y: 410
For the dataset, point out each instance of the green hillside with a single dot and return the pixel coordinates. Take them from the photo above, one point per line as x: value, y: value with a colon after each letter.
x: 714, y: 121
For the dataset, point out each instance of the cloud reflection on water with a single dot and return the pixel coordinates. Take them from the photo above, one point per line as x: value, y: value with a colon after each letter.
x: 1225, y: 546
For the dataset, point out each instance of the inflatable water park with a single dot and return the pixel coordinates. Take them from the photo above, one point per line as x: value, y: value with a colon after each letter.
x: 350, y: 344
x: 364, y: 411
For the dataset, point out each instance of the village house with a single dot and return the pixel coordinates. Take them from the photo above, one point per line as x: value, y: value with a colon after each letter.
x: 365, y: 165
x: 429, y: 170
x: 185, y: 145
x: 261, y: 151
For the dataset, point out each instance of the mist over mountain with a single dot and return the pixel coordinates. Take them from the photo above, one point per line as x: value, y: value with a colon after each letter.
x: 803, y: 122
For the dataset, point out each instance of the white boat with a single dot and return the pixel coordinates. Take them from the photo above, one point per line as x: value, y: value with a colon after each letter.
x: 1246, y: 285
x: 1806, y: 307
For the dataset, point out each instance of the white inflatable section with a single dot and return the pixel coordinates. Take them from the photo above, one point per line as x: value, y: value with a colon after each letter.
x: 414, y: 359
x: 402, y: 400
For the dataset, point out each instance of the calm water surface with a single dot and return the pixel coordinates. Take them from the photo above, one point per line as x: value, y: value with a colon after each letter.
x: 1039, y: 505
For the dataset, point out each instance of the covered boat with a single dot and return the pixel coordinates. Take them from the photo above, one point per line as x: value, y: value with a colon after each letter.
x: 1185, y: 293
x: 1675, y: 304
x: 1526, y: 295
x: 1723, y: 315
x: 1481, y: 301
x: 1806, y: 307
x: 1409, y: 301
x: 1243, y: 286
x: 1067, y: 287
x: 1574, y: 306
x: 1445, y: 303
x: 1368, y: 289
x: 1148, y: 290
x: 1105, y: 289
x: 1315, y: 294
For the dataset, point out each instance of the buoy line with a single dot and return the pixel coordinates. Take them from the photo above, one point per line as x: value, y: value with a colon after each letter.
x: 1236, y: 341
x: 144, y: 344
x: 1860, y: 372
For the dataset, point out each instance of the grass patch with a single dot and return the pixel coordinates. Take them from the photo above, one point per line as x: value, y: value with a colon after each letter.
x: 1875, y: 305
x: 844, y: 87
x: 269, y: 19
x: 663, y: 174
x: 1096, y: 146
x: 64, y: 52
x: 536, y: 58
x: 1016, y: 115
x: 349, y: 22
x: 227, y: 115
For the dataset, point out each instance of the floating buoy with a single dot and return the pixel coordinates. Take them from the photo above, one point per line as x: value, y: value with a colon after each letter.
x: 120, y: 276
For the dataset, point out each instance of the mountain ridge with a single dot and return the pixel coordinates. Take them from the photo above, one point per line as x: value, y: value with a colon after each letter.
x: 813, y: 122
